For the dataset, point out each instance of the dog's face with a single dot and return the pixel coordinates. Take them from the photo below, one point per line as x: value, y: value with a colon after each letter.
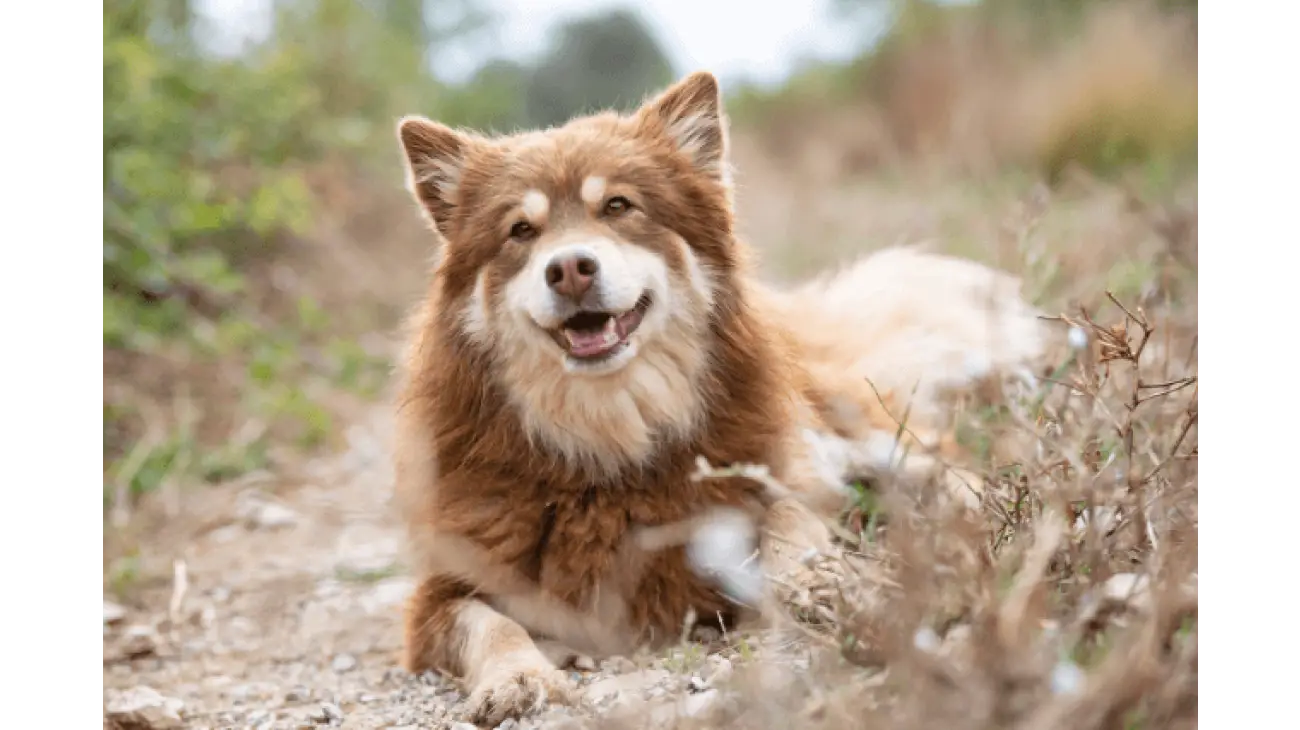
x: 591, y: 252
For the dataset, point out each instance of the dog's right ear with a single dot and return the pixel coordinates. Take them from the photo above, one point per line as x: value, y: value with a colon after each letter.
x: 435, y: 159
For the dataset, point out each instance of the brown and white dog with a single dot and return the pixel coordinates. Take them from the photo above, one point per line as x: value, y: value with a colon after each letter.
x: 593, y: 328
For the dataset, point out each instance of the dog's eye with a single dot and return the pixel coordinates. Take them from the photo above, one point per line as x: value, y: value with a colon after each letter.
x: 523, y: 231
x: 617, y: 205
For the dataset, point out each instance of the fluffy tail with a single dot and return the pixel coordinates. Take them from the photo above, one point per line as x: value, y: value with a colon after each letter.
x: 918, y: 325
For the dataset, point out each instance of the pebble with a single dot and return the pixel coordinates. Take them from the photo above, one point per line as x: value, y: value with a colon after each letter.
x: 113, y: 612
x: 330, y: 713
x: 258, y: 512
x: 144, y: 708
x: 698, y: 704
x: 139, y: 641
x: 297, y: 694
x: 343, y: 663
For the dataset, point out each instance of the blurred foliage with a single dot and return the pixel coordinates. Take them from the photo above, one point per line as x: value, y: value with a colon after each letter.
x: 205, y: 163
x: 608, y: 61
x: 213, y: 167
x: 1105, y: 85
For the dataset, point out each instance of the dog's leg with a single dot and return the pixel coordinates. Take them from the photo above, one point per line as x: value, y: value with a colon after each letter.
x: 504, y: 671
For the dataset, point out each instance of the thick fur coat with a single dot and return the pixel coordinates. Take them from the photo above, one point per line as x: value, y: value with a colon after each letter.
x: 591, y: 330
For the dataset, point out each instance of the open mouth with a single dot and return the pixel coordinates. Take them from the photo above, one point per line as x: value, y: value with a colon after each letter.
x: 595, y: 335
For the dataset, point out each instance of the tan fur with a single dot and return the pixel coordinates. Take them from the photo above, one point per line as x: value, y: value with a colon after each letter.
x: 552, y: 497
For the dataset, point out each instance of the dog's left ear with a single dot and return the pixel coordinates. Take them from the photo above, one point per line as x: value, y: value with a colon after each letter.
x: 690, y: 115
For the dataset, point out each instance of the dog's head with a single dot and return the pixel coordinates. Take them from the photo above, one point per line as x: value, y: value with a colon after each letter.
x: 588, y: 246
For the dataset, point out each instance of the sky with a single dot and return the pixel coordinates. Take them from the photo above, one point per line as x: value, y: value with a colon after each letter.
x: 732, y: 38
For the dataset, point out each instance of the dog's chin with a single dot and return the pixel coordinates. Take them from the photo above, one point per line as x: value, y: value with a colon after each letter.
x: 605, y: 365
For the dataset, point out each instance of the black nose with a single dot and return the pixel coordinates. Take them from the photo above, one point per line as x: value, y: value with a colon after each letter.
x: 571, y: 274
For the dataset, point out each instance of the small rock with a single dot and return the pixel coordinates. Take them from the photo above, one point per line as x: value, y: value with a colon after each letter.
x: 143, y: 708
x: 328, y: 713
x: 387, y: 593
x: 698, y: 704
x: 258, y: 512
x: 696, y: 684
x: 139, y: 641
x: 463, y: 726
x: 113, y: 613
x: 252, y: 692
x: 343, y: 663
x: 509, y: 724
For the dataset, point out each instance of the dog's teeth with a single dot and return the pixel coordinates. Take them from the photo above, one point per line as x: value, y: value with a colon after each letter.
x: 611, y: 332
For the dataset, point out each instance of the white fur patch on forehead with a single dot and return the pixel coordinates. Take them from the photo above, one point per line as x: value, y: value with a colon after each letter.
x: 536, y: 205
x: 593, y: 189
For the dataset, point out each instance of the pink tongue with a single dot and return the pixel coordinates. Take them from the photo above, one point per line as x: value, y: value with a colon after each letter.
x: 588, y: 343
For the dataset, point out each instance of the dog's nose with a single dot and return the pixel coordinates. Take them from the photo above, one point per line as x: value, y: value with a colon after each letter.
x: 571, y: 274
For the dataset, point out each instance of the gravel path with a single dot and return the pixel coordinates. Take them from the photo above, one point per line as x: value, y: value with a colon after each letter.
x: 274, y: 606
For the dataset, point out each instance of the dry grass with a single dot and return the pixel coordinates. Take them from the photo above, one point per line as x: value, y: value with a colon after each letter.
x: 971, y: 90
x: 1067, y: 599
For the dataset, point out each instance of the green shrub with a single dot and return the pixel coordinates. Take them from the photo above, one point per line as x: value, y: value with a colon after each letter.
x: 205, y: 163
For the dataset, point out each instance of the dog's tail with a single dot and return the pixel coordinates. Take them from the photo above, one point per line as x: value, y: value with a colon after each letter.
x: 918, y: 325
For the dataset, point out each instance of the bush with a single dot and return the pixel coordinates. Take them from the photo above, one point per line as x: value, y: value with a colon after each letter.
x: 207, y: 162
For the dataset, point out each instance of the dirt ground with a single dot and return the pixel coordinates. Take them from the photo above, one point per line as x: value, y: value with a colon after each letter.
x: 265, y: 605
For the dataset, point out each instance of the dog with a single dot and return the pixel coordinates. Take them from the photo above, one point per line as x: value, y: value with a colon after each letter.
x: 593, y: 329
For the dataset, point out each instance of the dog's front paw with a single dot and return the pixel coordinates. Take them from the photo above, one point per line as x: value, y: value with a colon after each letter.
x: 517, y: 693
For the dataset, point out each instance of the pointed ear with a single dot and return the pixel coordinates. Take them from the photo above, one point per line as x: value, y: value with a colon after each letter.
x: 435, y: 159
x: 690, y: 115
